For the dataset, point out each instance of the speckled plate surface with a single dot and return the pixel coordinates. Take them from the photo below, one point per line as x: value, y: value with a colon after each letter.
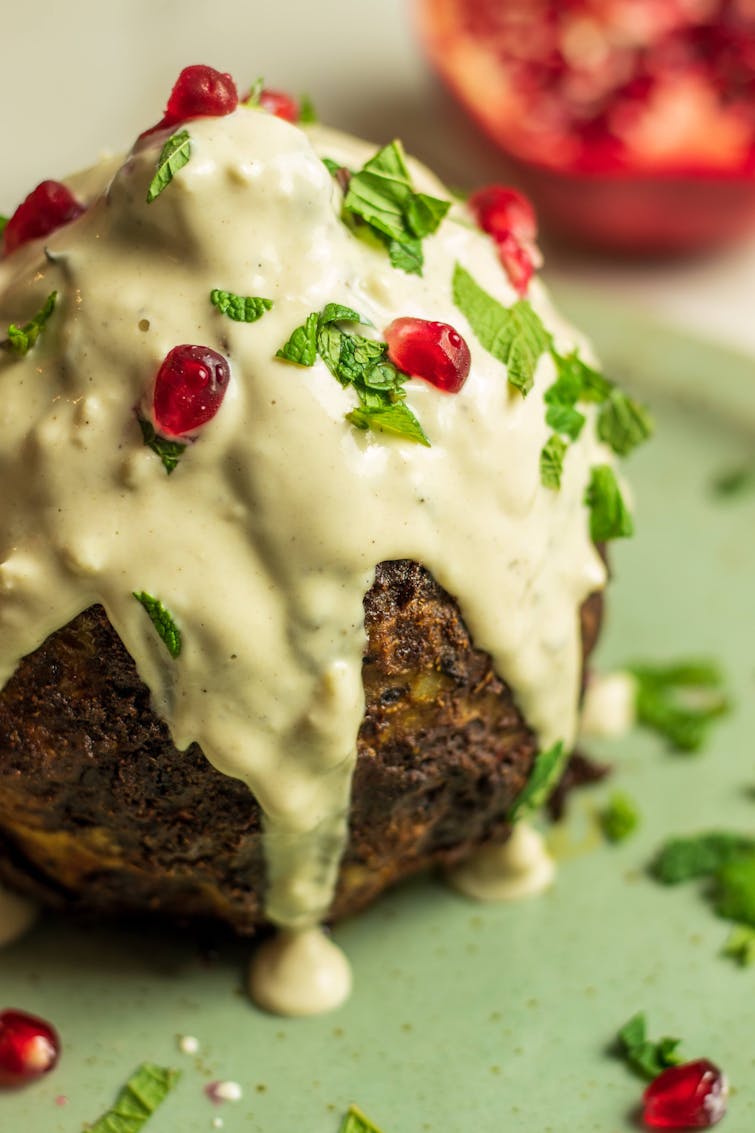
x: 467, y: 1017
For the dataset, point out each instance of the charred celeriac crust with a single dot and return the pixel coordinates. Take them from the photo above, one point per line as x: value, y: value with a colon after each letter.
x: 100, y: 813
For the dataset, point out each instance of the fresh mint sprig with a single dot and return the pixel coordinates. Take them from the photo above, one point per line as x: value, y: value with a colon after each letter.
x: 163, y: 621
x: 359, y: 362
x: 380, y: 201
x: 609, y: 516
x: 20, y: 340
x: 173, y: 156
x: 240, y: 308
x: 680, y: 701
x: 647, y: 1058
x: 145, y: 1090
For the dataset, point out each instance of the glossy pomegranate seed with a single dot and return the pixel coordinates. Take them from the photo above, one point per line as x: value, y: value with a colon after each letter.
x: 199, y: 92
x: 510, y: 219
x: 433, y: 351
x: 280, y: 104
x: 29, y: 1048
x: 189, y: 388
x: 690, y: 1096
x: 49, y: 206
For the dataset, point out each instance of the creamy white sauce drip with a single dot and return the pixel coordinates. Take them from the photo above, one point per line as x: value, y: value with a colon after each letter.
x: 264, y: 540
x: 609, y: 708
x: 520, y: 867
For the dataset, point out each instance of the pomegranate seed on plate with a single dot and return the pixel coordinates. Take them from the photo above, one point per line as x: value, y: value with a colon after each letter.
x: 429, y: 350
x: 690, y: 1096
x: 49, y: 206
x: 29, y: 1048
x: 189, y: 388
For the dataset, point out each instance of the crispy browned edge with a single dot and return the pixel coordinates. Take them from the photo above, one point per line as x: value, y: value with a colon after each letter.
x: 100, y: 812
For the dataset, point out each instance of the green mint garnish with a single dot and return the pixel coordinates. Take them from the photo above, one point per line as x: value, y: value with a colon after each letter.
x: 163, y: 621
x: 3, y: 221
x: 740, y: 945
x: 647, y: 1058
x: 359, y: 362
x: 623, y: 423
x: 699, y: 856
x: 173, y: 156
x: 736, y: 481
x: 609, y: 516
x: 170, y: 452
x: 380, y: 197
x: 332, y: 166
x: 619, y: 818
x: 357, y: 1122
x: 255, y: 90
x: 308, y: 116
x: 543, y: 778
x: 21, y: 339
x: 734, y: 892
x: 145, y: 1090
x: 240, y: 308
x: 552, y: 461
x: 680, y: 701
x: 514, y: 335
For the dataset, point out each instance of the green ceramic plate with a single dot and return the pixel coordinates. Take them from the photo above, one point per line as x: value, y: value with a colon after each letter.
x: 471, y: 1018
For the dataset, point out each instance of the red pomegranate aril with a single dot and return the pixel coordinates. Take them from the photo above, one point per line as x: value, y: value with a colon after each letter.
x: 690, y: 1096
x: 49, y: 206
x: 509, y: 218
x: 499, y: 210
x: 433, y: 351
x: 189, y: 389
x: 280, y: 104
x: 198, y: 92
x: 29, y: 1048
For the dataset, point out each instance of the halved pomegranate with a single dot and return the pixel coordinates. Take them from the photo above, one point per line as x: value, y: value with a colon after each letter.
x: 631, y: 122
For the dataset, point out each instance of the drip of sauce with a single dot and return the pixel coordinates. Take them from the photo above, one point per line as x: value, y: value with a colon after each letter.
x: 264, y: 539
x: 299, y: 973
x: 520, y: 867
x: 609, y: 706
x: 17, y: 915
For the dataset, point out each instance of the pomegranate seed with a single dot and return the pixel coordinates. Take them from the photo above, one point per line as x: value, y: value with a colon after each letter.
x: 280, y: 104
x: 433, y: 351
x: 198, y: 92
x: 509, y: 218
x: 500, y: 211
x: 29, y: 1048
x: 189, y: 388
x: 49, y: 206
x: 690, y: 1096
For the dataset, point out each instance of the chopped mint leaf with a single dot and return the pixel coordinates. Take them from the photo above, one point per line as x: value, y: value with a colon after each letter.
x: 380, y: 195
x: 360, y: 362
x: 173, y: 156
x: 397, y: 419
x: 619, y: 818
x: 609, y: 517
x: 145, y: 1090
x: 255, y: 90
x: 357, y: 1122
x: 698, y: 856
x: 301, y: 348
x: 552, y: 461
x: 648, y: 1058
x: 332, y: 166
x: 308, y: 116
x: 20, y: 340
x: 514, y: 335
x: 740, y: 945
x: 163, y: 622
x: 577, y: 381
x: 623, y: 423
x: 543, y: 778
x: 680, y: 701
x: 170, y: 452
x: 240, y: 308
x: 734, y: 894
x: 564, y: 419
x: 735, y: 482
